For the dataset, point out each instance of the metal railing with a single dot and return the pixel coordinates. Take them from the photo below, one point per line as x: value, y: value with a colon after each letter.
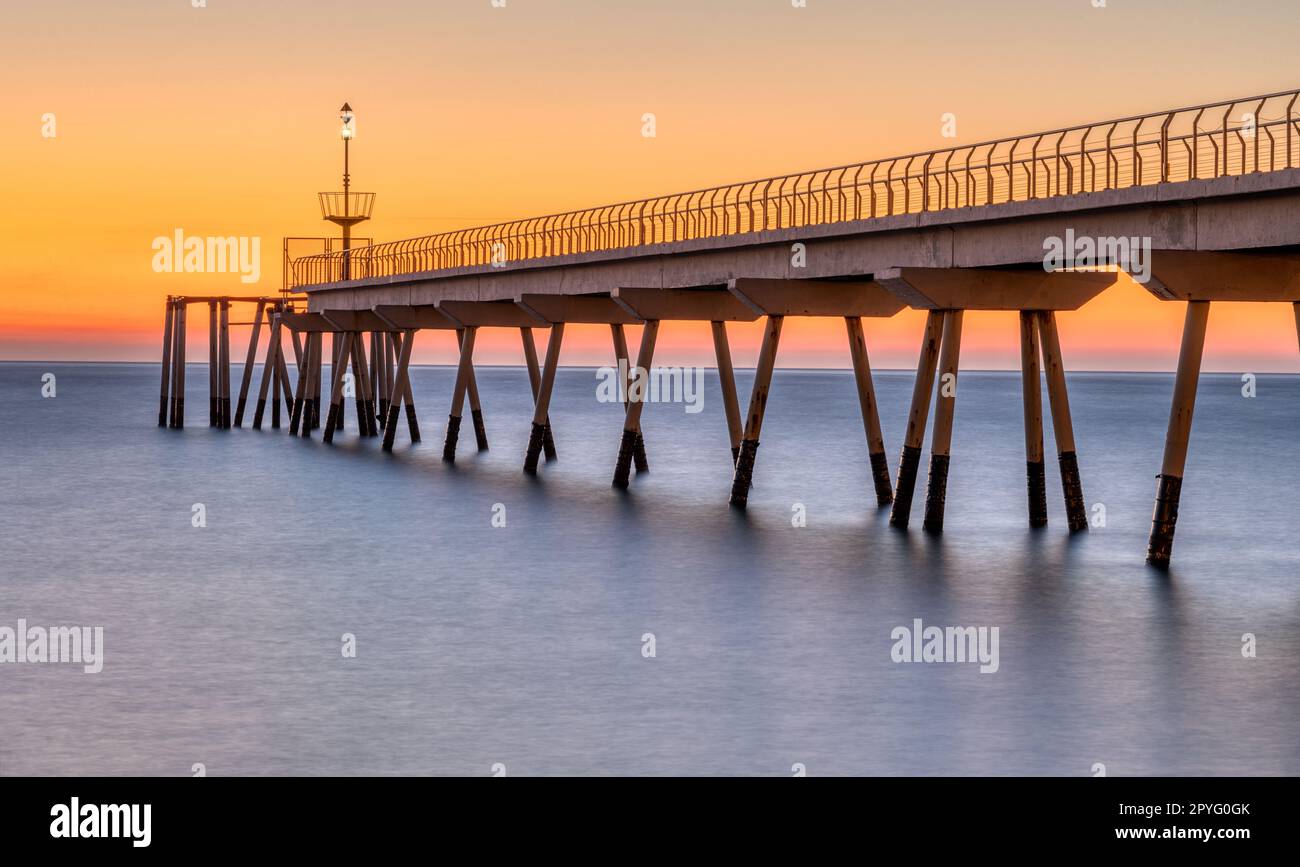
x: 1253, y: 134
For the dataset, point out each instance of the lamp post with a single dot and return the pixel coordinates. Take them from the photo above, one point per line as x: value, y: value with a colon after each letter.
x: 346, y: 209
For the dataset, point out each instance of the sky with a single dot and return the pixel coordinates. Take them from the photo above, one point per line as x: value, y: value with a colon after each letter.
x: 222, y: 119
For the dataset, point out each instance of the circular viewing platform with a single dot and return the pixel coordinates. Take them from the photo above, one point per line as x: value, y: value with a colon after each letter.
x: 346, y: 207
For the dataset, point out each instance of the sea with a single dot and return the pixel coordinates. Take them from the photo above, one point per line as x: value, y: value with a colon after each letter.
x: 272, y: 605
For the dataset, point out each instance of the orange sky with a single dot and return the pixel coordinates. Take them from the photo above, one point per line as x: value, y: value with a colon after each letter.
x: 222, y: 121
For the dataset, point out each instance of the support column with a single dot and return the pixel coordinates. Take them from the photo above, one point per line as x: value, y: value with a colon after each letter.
x: 463, y: 372
x: 1076, y: 513
x: 249, y: 361
x: 213, y: 388
x: 541, y: 407
x: 622, y: 361
x: 936, y: 494
x: 922, y: 389
x: 1032, y: 388
x: 400, y: 381
x: 635, y: 404
x: 870, y: 411
x: 178, y: 378
x: 535, y: 381
x: 223, y: 384
x: 1170, y: 485
x: 475, y: 408
x: 743, y: 477
x: 164, y: 394
x: 337, y: 370
x: 727, y: 381
x: 269, y: 375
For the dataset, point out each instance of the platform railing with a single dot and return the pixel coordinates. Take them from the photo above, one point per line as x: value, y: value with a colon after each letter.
x: 1241, y: 136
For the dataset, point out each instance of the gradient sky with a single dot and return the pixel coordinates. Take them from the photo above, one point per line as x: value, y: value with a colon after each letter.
x: 223, y: 121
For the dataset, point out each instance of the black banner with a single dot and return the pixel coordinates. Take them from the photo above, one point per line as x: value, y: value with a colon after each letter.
x: 332, y: 815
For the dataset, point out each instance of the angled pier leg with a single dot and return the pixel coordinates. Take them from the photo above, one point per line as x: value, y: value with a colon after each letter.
x: 275, y: 395
x: 1170, y: 484
x: 316, y: 380
x: 224, y: 384
x: 535, y: 382
x: 922, y: 389
x: 1296, y: 308
x: 338, y: 370
x: 1032, y: 388
x: 380, y: 361
x: 372, y: 400
x: 365, y: 418
x: 622, y: 361
x: 164, y: 394
x: 284, y: 384
x: 269, y: 373
x: 463, y: 372
x: 213, y: 388
x: 727, y: 381
x: 338, y: 359
x: 542, y: 405
x: 299, y: 394
x: 945, y: 407
x: 412, y: 423
x: 391, y: 356
x: 178, y: 379
x: 1076, y: 514
x: 404, y: 397
x: 399, y: 383
x: 870, y: 411
x: 637, y: 394
x: 315, y: 347
x: 372, y: 369
x: 475, y: 408
x: 250, y: 359
x: 743, y: 478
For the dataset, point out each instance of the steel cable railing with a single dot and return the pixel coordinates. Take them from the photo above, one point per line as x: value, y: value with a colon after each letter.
x: 1242, y: 136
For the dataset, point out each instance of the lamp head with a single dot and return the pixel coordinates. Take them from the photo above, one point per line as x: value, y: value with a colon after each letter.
x: 349, y: 129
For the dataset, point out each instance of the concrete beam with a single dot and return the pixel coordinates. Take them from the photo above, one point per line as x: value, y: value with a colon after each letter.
x: 701, y: 305
x: 815, y: 297
x: 407, y: 317
x: 498, y: 314
x: 994, y: 288
x: 1180, y: 275
x: 585, y: 309
x: 356, y: 320
x: 309, y: 323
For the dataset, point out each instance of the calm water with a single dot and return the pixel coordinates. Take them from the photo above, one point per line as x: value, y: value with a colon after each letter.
x: 522, y: 645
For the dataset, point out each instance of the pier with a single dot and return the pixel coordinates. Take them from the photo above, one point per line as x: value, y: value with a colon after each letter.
x: 1212, y: 198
